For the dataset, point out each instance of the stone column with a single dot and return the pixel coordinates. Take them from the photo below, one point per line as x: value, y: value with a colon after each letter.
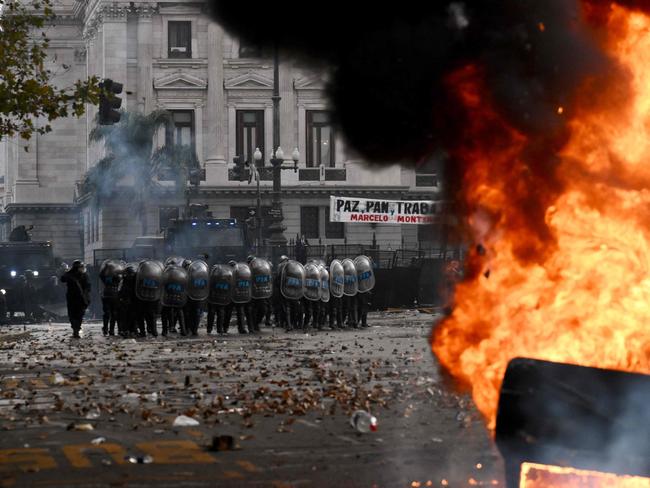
x: 114, y: 45
x: 287, y: 107
x: 216, y: 166
x: 145, y: 58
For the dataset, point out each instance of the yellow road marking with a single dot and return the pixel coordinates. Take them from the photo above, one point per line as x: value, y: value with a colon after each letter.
x: 26, y: 459
x: 175, y: 452
x: 78, y: 459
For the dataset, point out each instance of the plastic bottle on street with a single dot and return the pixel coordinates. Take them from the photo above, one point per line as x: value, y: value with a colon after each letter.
x: 363, y: 422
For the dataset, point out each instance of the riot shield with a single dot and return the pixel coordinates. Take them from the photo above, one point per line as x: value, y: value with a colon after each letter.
x: 174, y: 286
x: 292, y: 283
x: 198, y: 275
x: 174, y: 261
x: 262, y: 278
x: 324, y: 284
x: 221, y: 281
x: 241, y: 291
x: 337, y: 278
x: 351, y: 285
x: 148, y: 281
x: 312, y: 282
x: 110, y: 273
x: 365, y: 273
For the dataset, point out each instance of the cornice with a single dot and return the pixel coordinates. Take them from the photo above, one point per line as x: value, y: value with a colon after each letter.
x: 192, y: 63
x: 14, y: 208
x: 97, y: 13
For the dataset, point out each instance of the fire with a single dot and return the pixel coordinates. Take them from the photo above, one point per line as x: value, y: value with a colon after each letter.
x: 563, y: 272
x: 542, y: 476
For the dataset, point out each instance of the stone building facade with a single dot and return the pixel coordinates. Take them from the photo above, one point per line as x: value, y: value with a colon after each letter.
x: 171, y: 56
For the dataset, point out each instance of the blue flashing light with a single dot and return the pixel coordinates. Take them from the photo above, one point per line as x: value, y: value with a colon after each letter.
x: 193, y: 224
x: 209, y: 223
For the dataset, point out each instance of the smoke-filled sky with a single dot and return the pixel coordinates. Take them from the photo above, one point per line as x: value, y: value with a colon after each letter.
x: 390, y: 65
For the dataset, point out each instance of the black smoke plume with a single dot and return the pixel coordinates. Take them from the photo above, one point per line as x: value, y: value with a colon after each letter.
x: 390, y: 63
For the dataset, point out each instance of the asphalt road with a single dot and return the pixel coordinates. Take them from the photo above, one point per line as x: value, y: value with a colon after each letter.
x: 283, y: 399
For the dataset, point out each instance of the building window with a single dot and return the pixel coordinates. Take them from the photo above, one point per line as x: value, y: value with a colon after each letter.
x: 91, y: 226
x: 333, y: 230
x: 309, y: 225
x: 181, y: 129
x: 320, y: 139
x: 250, y: 133
x: 425, y: 173
x: 166, y: 215
x: 179, y: 39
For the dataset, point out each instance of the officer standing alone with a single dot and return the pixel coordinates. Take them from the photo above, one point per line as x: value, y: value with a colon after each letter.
x: 77, y: 295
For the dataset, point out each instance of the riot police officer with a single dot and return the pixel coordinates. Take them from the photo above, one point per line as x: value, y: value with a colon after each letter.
x: 279, y: 302
x: 219, y: 297
x: 241, y: 296
x: 174, y: 297
x: 350, y: 289
x: 365, y: 284
x: 312, y: 294
x: 148, y: 291
x: 110, y: 274
x: 128, y: 303
x: 337, y: 283
x: 262, y: 289
x: 77, y: 295
x: 292, y: 288
x: 197, y: 293
x: 325, y: 295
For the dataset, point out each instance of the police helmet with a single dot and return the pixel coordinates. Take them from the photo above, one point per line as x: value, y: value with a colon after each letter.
x: 232, y: 263
x: 284, y: 258
x: 249, y: 258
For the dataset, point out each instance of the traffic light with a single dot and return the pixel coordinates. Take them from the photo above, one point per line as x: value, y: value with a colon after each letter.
x: 108, y: 102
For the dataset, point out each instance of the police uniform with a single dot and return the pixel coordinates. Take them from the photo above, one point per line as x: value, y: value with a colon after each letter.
x: 77, y: 295
x: 110, y: 275
x: 128, y: 306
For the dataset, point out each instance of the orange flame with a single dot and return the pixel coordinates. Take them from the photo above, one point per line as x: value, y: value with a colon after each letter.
x: 542, y: 476
x: 565, y: 273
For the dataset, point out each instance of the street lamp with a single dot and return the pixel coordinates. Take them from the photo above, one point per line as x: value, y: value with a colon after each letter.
x: 277, y: 240
x: 257, y: 156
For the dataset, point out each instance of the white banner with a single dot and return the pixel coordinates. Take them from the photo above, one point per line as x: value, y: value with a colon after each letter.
x: 365, y: 210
